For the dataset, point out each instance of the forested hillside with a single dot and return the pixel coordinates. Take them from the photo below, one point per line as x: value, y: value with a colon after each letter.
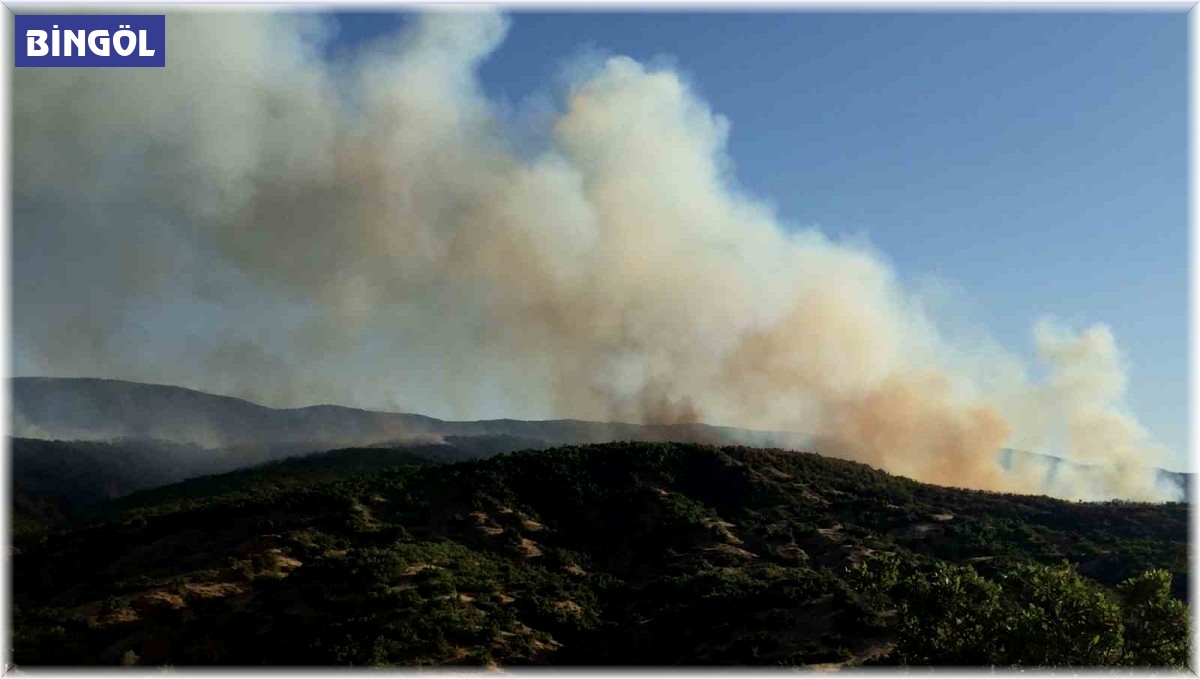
x: 624, y: 553
x: 81, y: 441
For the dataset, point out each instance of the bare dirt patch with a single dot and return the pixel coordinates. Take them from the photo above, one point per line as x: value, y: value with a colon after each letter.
x: 568, y: 606
x: 212, y: 590
x: 157, y: 600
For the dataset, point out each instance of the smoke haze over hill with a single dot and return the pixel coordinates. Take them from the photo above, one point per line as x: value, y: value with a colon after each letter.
x: 257, y: 220
x: 84, y: 440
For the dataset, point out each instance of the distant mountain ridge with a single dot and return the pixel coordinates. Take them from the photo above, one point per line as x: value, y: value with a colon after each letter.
x: 173, y: 433
x: 100, y: 409
x: 77, y: 442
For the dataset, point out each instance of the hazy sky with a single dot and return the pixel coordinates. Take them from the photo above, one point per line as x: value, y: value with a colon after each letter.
x: 1011, y: 167
x: 1029, y: 164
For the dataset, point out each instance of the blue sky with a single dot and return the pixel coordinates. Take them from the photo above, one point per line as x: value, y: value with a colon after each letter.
x: 1034, y: 164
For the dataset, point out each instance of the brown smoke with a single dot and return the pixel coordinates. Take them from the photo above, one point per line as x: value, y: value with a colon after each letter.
x: 365, y: 232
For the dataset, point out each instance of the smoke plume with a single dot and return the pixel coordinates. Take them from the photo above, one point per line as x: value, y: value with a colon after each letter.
x: 261, y: 220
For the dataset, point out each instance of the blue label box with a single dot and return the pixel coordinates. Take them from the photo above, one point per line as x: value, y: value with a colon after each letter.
x: 91, y: 40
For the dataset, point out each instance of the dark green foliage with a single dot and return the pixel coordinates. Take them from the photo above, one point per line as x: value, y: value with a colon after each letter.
x: 608, y: 554
x: 950, y: 615
x: 1153, y: 621
x: 1032, y: 615
x: 1060, y: 618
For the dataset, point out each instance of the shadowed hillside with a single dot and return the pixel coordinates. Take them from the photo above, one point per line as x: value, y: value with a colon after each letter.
x: 115, y: 437
x: 54, y: 481
x: 609, y: 554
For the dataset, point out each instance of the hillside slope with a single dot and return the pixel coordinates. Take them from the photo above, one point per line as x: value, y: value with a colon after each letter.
x: 625, y: 553
x: 79, y: 441
x: 56, y: 481
x: 164, y: 434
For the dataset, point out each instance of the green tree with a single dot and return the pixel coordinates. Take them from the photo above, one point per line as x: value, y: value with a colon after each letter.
x: 1156, y: 623
x: 949, y: 615
x: 1064, y: 619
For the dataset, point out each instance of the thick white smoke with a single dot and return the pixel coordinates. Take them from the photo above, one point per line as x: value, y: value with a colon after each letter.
x: 256, y: 219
